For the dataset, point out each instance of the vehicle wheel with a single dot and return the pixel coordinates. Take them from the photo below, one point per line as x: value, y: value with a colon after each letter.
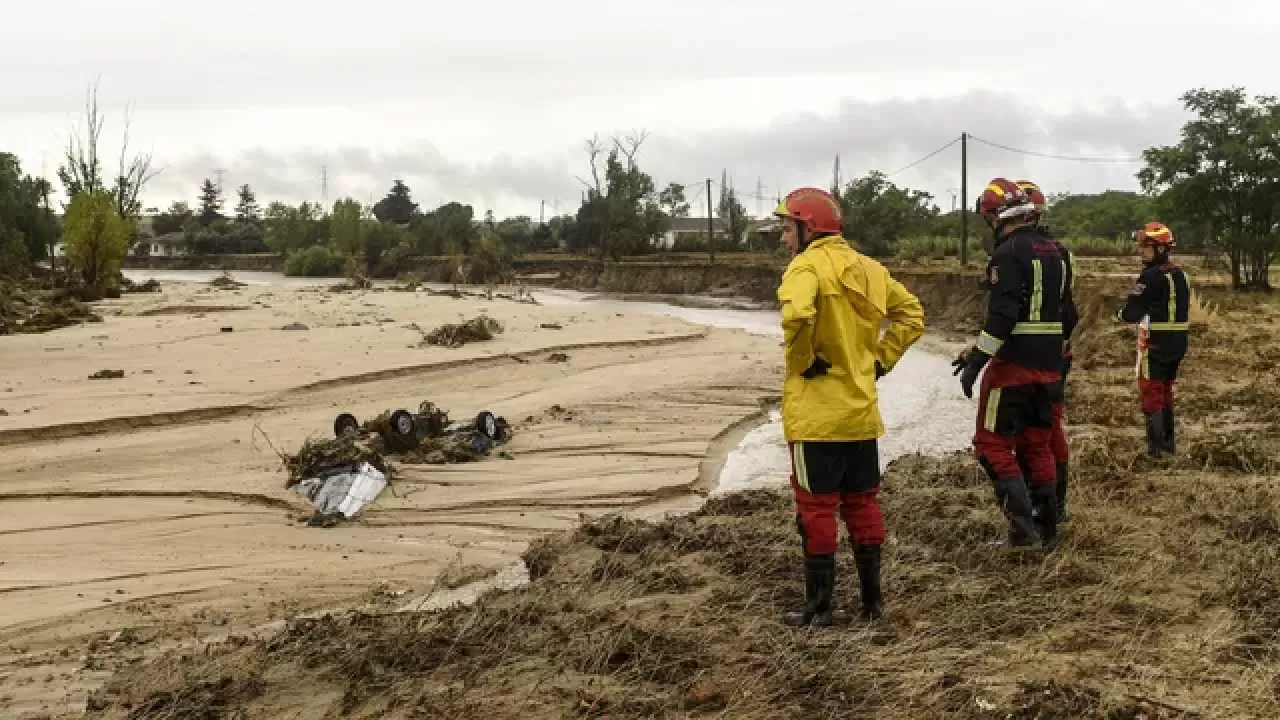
x: 487, y: 425
x: 344, y: 423
x: 402, y: 428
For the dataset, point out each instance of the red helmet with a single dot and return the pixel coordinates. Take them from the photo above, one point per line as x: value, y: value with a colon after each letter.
x: 1035, y: 195
x: 1003, y: 200
x: 1154, y: 234
x: 818, y: 210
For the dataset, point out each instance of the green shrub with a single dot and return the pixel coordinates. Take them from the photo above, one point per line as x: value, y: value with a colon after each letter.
x: 314, y: 261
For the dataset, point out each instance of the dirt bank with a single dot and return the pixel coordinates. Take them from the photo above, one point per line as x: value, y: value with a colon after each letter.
x: 1163, y: 601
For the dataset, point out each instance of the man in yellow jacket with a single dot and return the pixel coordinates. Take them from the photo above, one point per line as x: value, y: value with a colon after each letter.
x: 834, y: 303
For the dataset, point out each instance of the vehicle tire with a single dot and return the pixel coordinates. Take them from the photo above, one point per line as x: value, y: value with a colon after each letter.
x: 403, y: 430
x: 345, y: 423
x: 487, y: 425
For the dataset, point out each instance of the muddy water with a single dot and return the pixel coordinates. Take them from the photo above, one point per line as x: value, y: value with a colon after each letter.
x: 923, y: 408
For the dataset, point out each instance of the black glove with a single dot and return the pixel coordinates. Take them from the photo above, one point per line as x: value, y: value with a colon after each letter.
x: 880, y: 371
x: 973, y: 364
x: 819, y: 367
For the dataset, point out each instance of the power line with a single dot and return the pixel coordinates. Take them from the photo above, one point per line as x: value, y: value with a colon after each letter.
x: 1052, y: 156
x: 930, y: 156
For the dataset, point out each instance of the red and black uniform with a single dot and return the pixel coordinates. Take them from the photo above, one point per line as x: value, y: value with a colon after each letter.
x: 1058, y: 437
x: 1030, y: 313
x: 1160, y: 303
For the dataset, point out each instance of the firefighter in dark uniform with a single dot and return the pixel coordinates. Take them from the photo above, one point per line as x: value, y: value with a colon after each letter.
x: 1058, y: 440
x: 1160, y: 303
x: 1029, y: 313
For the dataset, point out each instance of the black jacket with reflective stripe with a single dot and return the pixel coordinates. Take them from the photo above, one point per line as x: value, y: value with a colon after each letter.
x: 1031, y: 312
x: 1162, y: 295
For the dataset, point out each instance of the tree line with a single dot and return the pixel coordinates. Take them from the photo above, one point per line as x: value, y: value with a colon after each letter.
x: 1218, y: 187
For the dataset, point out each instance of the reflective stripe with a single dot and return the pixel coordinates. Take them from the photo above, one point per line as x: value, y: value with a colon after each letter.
x: 1038, y: 328
x: 1037, y: 289
x: 1171, y: 326
x: 1146, y: 367
x: 1173, y: 298
x: 989, y: 344
x: 993, y: 410
x: 802, y: 471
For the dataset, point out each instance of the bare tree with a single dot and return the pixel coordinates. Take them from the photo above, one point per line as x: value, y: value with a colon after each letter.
x: 629, y: 146
x: 82, y: 172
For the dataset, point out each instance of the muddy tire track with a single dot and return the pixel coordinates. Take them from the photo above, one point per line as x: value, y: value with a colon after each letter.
x: 124, y: 424
x: 243, y: 498
x: 521, y: 356
x: 115, y: 578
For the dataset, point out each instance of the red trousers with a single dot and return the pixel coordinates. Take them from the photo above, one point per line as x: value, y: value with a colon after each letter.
x: 1157, y: 395
x: 1016, y: 420
x: 846, y: 487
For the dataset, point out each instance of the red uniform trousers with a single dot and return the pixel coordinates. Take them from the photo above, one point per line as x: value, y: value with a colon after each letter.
x: 830, y: 478
x: 1016, y: 420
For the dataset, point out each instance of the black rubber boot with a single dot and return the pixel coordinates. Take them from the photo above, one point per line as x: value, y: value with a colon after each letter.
x: 1155, y: 434
x: 1015, y: 501
x: 867, y: 558
x: 1061, y: 491
x: 1045, y: 500
x: 819, y: 594
x: 1170, y: 446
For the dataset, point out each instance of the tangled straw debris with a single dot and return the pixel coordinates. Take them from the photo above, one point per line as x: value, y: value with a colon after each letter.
x: 477, y: 329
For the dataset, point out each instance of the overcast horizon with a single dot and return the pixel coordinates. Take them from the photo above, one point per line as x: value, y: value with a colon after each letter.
x: 489, y: 104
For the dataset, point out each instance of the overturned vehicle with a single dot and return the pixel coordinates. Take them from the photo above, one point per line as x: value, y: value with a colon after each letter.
x: 344, y: 474
x: 404, y: 432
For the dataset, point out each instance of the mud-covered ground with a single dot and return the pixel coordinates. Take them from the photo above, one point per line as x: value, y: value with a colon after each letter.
x: 1162, y: 602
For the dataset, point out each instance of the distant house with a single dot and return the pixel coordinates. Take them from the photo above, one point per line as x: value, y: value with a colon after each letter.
x: 686, y: 232
x: 168, y: 245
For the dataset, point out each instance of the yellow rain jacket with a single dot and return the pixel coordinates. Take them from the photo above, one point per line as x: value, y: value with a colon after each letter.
x: 834, y: 300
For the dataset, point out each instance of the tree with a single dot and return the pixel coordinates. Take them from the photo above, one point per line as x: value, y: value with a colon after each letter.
x: 451, y: 224
x: 877, y: 213
x: 96, y: 237
x: 247, y: 210
x: 291, y: 228
x: 1109, y: 214
x: 25, y: 218
x: 210, y: 202
x: 673, y: 202
x: 173, y: 220
x: 83, y: 173
x: 397, y: 207
x: 622, y: 214
x: 346, y: 225
x: 1223, y: 177
x: 732, y: 212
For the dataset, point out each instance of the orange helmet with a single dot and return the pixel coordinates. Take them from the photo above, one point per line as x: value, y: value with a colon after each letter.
x: 1003, y: 200
x: 1154, y: 234
x: 1035, y: 195
x: 818, y: 210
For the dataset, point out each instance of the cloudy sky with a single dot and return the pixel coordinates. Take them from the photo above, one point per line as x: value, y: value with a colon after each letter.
x: 489, y: 102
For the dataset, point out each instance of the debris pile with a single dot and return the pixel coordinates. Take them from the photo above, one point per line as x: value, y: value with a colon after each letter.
x: 150, y: 286
x: 477, y: 329
x: 226, y: 282
x: 343, y: 474
x: 27, y: 307
x: 107, y: 375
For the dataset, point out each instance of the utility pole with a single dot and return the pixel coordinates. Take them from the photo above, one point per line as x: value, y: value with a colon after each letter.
x: 218, y: 173
x: 711, y: 226
x: 542, y: 213
x: 964, y: 199
x: 759, y: 197
x: 835, y: 179
x: 324, y: 186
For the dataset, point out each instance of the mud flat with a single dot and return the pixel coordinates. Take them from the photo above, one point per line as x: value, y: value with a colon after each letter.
x: 145, y: 512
